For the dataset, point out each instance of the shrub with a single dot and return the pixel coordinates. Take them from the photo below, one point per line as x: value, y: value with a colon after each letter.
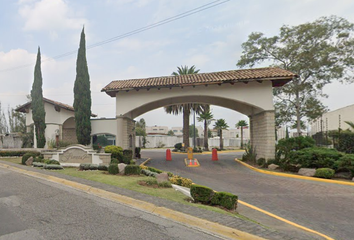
x: 184, y: 182
x: 132, y: 170
x: 114, y: 150
x: 132, y: 162
x: 225, y: 199
x: 324, y: 173
x: 170, y: 174
x: 114, y: 160
x: 154, y: 170
x: 148, y: 173
x: 178, y: 146
x: 164, y: 184
x: 84, y: 166
x: 128, y: 153
x: 102, y: 167
x: 285, y: 146
x: 315, y: 157
x: 151, y: 181
x: 346, y: 142
x: 250, y: 154
x: 113, y: 169
x: 261, y: 162
x: 26, y: 156
x: 201, y: 193
x: 52, y: 161
x: 53, y: 167
x: 126, y: 159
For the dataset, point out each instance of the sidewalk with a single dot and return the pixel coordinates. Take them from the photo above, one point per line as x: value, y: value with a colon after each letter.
x: 226, y: 220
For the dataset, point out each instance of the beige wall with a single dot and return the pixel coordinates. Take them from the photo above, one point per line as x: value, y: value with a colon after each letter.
x: 248, y: 98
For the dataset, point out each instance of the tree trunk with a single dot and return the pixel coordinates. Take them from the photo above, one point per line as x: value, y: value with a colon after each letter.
x: 221, y: 141
x: 206, y: 146
x: 186, y: 113
x: 298, y: 117
x: 241, y: 137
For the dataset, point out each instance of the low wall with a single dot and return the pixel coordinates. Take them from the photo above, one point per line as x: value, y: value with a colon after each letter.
x: 170, y: 141
x: 10, y: 141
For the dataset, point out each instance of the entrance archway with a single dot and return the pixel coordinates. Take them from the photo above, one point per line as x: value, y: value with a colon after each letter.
x: 69, y: 131
x: 248, y: 91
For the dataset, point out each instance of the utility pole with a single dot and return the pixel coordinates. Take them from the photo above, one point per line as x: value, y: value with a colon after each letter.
x: 194, y: 128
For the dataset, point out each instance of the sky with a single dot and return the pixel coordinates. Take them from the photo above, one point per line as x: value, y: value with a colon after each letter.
x: 210, y: 39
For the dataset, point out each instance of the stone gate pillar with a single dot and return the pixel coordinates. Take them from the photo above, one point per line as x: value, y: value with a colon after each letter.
x: 262, y: 133
x: 125, y: 137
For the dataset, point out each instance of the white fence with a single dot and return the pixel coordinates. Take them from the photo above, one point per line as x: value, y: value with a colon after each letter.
x: 170, y: 141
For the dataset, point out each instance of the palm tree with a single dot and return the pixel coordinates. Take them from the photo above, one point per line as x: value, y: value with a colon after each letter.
x: 185, y: 70
x: 241, y: 124
x: 220, y: 125
x: 207, y: 117
x: 351, y: 124
x: 184, y: 108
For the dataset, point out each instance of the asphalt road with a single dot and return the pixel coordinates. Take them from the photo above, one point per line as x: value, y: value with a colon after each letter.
x: 324, y: 207
x: 35, y: 209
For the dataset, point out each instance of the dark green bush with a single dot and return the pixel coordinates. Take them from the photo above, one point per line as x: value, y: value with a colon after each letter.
x: 154, y: 170
x: 84, y: 167
x: 53, y: 167
x: 286, y: 146
x: 165, y: 184
x: 170, y: 174
x: 52, y: 161
x: 178, y: 146
x: 113, y: 169
x: 201, y: 193
x: 250, y: 154
x: 315, y: 157
x: 128, y: 153
x: 261, y: 162
x: 132, y: 170
x: 126, y: 159
x: 324, y: 173
x: 225, y: 199
x: 346, y: 142
x: 132, y: 162
x: 26, y: 156
x: 114, y: 160
x: 148, y: 173
x: 102, y: 167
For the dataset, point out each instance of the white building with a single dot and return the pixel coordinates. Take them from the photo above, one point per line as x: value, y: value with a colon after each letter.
x: 163, y: 130
x: 333, y: 120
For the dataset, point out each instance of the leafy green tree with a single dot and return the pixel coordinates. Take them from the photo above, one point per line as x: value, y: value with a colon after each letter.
x: 82, y: 95
x: 140, y: 127
x: 185, y: 109
x: 37, y: 105
x: 318, y: 52
x: 170, y: 133
x: 206, y: 116
x: 241, y: 124
x: 17, y: 121
x: 3, y: 123
x: 220, y: 125
x: 191, y: 131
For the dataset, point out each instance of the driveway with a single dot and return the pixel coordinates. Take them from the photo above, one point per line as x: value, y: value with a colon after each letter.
x: 324, y: 207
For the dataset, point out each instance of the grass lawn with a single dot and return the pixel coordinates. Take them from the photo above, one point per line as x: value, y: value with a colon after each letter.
x: 131, y: 183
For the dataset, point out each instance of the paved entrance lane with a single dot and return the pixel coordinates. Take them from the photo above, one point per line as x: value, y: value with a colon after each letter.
x: 327, y: 208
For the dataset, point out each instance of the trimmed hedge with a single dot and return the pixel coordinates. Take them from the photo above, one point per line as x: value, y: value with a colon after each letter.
x: 148, y: 173
x: 324, y: 173
x: 47, y: 161
x: 225, y: 199
x: 102, y: 167
x: 53, y: 167
x: 5, y: 153
x: 114, y: 150
x: 113, y: 169
x: 132, y: 170
x: 38, y: 164
x: 201, y: 193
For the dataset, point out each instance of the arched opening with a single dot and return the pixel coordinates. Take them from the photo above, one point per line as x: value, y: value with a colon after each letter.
x: 103, y: 139
x: 69, y: 131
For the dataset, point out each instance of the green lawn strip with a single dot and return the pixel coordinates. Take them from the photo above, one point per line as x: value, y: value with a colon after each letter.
x: 11, y: 159
x: 131, y: 183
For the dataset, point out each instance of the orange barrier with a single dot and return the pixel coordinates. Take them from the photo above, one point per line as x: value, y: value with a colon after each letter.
x: 214, y: 155
x: 168, y: 155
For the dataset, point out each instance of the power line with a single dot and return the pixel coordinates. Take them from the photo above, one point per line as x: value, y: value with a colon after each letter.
x: 136, y: 31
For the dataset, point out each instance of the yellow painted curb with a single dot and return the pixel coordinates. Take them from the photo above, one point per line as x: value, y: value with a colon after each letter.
x: 284, y: 220
x: 294, y: 176
x: 209, y: 152
x: 187, y: 163
x: 182, y: 218
x: 145, y: 162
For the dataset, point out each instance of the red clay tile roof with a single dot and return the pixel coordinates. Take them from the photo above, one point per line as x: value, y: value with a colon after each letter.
x: 23, y: 107
x: 278, y: 77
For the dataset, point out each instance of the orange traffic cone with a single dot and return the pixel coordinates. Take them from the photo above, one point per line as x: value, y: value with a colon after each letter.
x: 214, y: 155
x: 168, y: 155
x: 195, y: 162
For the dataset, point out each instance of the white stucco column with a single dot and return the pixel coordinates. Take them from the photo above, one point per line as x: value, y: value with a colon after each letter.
x: 262, y: 133
x: 125, y: 133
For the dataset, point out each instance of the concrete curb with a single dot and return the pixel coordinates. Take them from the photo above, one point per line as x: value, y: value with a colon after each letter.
x: 294, y: 176
x: 185, y: 219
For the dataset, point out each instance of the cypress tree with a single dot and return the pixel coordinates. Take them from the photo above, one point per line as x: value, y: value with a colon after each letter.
x: 82, y: 96
x: 38, y: 112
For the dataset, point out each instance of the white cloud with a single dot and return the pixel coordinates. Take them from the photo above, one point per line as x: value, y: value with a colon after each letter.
x: 134, y: 44
x: 49, y: 15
